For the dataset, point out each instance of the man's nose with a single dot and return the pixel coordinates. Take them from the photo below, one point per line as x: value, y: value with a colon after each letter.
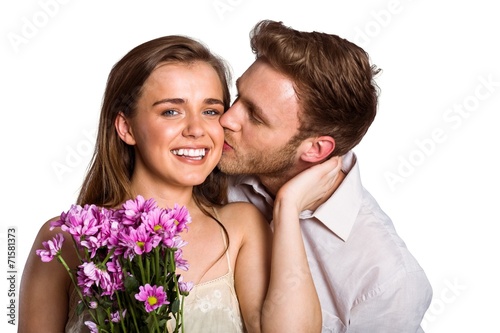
x: 231, y: 119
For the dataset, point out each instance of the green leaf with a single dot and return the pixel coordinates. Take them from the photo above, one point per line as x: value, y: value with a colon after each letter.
x: 80, y: 308
x: 131, y: 284
x: 101, y: 316
x: 106, y: 302
x: 176, y: 305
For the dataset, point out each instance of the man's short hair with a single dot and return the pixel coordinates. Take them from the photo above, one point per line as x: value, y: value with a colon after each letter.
x: 333, y: 80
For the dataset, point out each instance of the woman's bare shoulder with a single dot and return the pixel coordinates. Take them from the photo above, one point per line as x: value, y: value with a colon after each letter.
x: 239, y: 209
x: 46, y: 229
x: 48, y: 232
x: 242, y: 215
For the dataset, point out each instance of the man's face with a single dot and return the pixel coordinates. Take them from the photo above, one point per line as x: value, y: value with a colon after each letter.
x: 260, y: 123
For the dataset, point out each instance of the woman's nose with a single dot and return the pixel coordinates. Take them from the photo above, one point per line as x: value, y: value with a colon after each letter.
x: 194, y: 127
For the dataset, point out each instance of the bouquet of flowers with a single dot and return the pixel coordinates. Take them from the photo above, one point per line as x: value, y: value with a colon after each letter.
x: 127, y: 278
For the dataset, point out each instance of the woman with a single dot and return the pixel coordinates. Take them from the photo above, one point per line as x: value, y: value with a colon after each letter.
x: 159, y: 136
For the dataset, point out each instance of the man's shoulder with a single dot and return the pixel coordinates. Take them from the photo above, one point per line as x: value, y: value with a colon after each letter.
x: 375, y: 234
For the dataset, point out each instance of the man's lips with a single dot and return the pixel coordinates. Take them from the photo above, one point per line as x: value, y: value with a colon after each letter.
x: 227, y: 146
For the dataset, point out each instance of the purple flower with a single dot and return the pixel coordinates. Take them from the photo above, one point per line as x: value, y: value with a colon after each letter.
x: 86, y: 277
x: 89, y: 274
x: 180, y: 262
x: 158, y: 221
x: 152, y: 296
x: 115, y: 316
x: 93, y: 244
x: 184, y: 287
x: 138, y: 241
x: 80, y: 222
x: 116, y: 277
x: 91, y: 326
x: 133, y: 210
x: 109, y: 239
x: 52, y: 248
x: 181, y: 216
x: 114, y: 231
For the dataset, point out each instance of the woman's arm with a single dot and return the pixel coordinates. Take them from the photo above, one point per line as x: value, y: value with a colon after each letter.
x: 292, y: 304
x: 43, y: 300
x: 252, y: 267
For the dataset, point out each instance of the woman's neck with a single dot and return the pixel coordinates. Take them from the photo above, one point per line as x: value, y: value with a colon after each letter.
x: 164, y: 195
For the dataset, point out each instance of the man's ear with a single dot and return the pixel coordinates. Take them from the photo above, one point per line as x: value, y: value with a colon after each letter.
x: 318, y: 149
x: 124, y: 129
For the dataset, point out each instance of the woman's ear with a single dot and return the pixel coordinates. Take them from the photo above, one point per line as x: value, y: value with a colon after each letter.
x: 124, y: 129
x: 318, y: 149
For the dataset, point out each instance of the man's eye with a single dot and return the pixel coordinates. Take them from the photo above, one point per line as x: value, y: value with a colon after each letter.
x: 254, y: 119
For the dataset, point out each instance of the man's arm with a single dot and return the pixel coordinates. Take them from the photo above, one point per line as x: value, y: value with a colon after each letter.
x: 400, y: 307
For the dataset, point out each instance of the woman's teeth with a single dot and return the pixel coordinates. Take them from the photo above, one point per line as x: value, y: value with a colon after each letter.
x: 198, y: 153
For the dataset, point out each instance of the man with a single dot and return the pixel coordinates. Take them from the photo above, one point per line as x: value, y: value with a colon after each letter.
x: 306, y: 98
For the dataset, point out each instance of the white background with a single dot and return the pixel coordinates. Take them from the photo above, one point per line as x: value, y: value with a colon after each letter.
x: 429, y: 158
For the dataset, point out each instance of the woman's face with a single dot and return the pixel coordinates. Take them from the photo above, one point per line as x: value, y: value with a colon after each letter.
x: 175, y: 130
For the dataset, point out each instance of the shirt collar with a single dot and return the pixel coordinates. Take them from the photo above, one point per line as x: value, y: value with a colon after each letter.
x: 254, y: 183
x: 339, y: 212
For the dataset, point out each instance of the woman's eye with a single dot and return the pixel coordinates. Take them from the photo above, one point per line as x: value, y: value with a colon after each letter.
x: 212, y: 112
x: 170, y: 112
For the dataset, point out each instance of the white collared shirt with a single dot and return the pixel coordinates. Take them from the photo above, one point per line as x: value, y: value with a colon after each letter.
x: 366, y: 278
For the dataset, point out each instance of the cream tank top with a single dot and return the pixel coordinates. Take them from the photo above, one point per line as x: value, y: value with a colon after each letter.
x: 212, y: 306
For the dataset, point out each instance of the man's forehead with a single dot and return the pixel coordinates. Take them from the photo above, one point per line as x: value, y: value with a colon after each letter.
x: 262, y: 75
x: 268, y: 93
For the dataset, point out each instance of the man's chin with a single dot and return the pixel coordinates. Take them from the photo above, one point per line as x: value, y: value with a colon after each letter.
x: 230, y: 167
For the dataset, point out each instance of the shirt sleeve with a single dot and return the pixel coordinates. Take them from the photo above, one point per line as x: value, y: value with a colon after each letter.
x: 399, y: 307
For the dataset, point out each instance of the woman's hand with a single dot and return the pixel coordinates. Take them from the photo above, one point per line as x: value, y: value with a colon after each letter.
x: 313, y: 186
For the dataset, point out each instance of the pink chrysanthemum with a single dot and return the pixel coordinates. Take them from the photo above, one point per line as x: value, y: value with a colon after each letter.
x: 80, y: 222
x: 138, y: 241
x: 152, y: 296
x: 51, y: 248
x: 180, y: 262
x: 185, y: 287
x: 133, y: 210
x: 114, y: 231
x: 91, y: 326
x: 158, y: 221
x: 89, y: 274
x: 116, y: 317
x: 116, y: 278
x: 181, y: 216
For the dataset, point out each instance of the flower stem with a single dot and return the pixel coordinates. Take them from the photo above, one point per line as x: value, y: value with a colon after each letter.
x: 157, y: 325
x: 131, y: 307
x: 120, y: 309
x: 182, y: 314
x: 77, y: 250
x: 141, y: 267
x: 157, y: 265
x: 148, y: 269
x: 108, y: 312
x: 77, y: 288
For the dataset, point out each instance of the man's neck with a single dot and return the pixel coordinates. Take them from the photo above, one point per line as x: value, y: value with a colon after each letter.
x: 273, y: 184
